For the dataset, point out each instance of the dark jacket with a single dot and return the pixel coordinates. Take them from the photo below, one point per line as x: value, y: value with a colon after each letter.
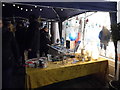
x: 104, y: 37
x: 10, y: 51
x: 44, y: 40
x: 20, y: 36
x: 33, y: 36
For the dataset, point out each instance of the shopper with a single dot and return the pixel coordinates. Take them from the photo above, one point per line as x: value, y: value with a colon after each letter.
x: 32, y: 38
x: 44, y: 41
x: 20, y: 38
x: 10, y: 56
x: 104, y: 37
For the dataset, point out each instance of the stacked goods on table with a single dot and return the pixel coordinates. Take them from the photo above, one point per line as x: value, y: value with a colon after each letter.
x: 36, y: 62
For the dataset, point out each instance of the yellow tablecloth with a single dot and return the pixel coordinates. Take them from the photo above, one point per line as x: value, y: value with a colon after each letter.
x: 37, y: 77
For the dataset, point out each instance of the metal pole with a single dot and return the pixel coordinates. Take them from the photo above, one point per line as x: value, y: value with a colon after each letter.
x: 83, y: 39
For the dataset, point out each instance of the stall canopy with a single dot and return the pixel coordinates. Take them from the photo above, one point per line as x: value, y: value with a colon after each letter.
x: 59, y: 11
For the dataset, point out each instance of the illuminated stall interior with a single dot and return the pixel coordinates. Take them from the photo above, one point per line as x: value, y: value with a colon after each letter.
x: 76, y: 30
x: 93, y: 26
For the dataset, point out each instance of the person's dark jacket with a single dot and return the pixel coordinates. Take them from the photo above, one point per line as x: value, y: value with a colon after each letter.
x: 20, y: 36
x: 10, y: 50
x: 32, y: 36
x: 44, y: 40
x: 104, y: 37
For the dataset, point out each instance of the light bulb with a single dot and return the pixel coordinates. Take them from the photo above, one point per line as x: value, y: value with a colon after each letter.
x: 3, y: 5
x: 40, y: 9
x: 26, y: 9
x: 18, y: 7
x: 35, y: 6
x: 61, y: 9
x: 21, y: 8
x: 14, y: 5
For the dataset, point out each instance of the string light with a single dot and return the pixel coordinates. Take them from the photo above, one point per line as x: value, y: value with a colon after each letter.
x: 30, y: 9
x: 21, y: 8
x: 40, y: 9
x: 18, y: 7
x: 35, y: 6
x: 3, y: 5
x: 14, y: 5
x: 26, y: 9
x: 61, y: 9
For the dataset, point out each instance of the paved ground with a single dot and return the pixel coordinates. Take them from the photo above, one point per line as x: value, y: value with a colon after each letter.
x: 82, y: 82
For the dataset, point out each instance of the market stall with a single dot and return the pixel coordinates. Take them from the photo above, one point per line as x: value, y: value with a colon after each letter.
x: 57, y: 72
x: 62, y: 62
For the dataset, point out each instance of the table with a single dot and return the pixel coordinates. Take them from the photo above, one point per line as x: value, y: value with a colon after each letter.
x: 38, y: 77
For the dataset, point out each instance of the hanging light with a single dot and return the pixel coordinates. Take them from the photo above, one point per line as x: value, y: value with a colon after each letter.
x: 30, y: 9
x: 40, y: 9
x: 26, y: 9
x: 62, y: 9
x: 35, y: 6
x: 14, y: 5
x: 18, y: 7
x: 21, y: 8
x: 3, y: 5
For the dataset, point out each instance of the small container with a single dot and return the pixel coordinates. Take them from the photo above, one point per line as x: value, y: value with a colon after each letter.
x: 31, y: 65
x: 49, y: 57
x: 83, y: 58
x: 89, y: 58
x: 37, y: 63
x: 82, y: 51
x: 42, y: 64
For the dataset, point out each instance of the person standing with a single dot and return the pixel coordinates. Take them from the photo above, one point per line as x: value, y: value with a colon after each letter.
x: 44, y: 40
x: 20, y: 38
x: 104, y: 37
x: 10, y: 56
x: 33, y: 36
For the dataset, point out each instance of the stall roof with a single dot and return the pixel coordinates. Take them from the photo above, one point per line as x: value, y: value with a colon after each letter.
x: 56, y: 10
x: 99, y: 6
